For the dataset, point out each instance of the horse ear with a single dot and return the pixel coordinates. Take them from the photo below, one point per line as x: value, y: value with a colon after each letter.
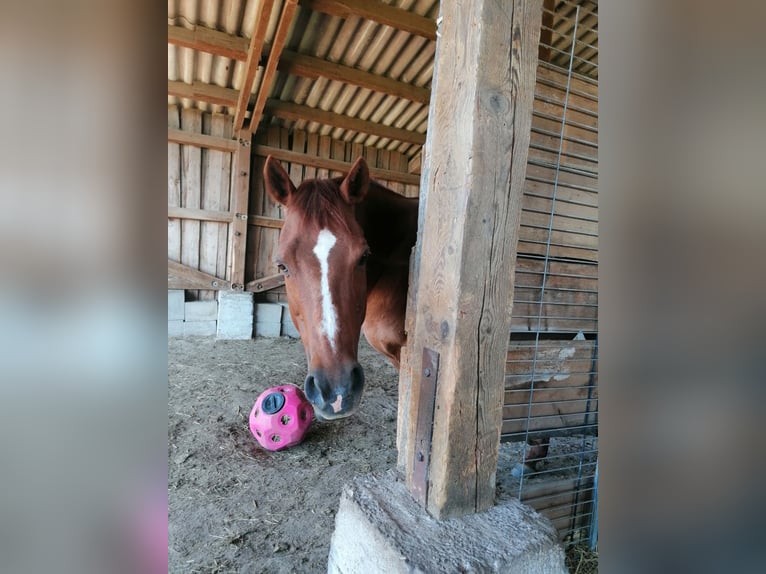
x: 277, y: 181
x: 354, y: 187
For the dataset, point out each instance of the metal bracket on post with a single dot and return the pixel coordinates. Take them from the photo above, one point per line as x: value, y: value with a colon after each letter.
x: 424, y: 425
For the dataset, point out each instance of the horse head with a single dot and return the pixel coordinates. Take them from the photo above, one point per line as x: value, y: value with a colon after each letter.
x: 322, y: 254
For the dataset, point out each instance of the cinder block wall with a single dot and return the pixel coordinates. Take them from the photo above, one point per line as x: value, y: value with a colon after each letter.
x: 232, y: 316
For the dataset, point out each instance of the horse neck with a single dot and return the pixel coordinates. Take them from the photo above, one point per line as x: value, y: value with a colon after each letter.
x: 389, y: 221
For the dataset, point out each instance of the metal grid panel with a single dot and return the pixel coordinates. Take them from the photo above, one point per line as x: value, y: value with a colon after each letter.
x: 551, y: 399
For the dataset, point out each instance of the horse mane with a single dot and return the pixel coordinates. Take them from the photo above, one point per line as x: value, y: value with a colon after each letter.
x: 319, y: 201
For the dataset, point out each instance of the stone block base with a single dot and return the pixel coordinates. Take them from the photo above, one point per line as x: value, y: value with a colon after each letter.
x: 380, y: 528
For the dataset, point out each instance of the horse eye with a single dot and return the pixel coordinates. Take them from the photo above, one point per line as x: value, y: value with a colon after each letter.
x: 363, y: 258
x: 282, y: 269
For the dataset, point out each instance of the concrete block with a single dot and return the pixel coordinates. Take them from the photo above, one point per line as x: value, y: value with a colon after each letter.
x: 175, y: 328
x: 379, y: 518
x: 175, y: 305
x: 201, y: 311
x: 235, y: 315
x: 288, y: 327
x: 268, y: 313
x: 199, y: 328
x: 268, y: 329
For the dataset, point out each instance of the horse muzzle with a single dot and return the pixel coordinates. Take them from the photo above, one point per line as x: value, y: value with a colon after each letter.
x: 335, y: 397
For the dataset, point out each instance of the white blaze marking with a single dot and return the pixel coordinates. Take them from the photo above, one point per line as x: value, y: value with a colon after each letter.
x: 325, y: 242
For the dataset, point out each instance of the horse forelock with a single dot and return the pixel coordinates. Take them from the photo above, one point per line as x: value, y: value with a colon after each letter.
x: 319, y: 201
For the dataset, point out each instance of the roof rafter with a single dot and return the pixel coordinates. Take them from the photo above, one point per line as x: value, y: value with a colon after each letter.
x: 311, y: 67
x: 253, y: 58
x: 280, y: 37
x: 201, y: 91
x: 376, y: 12
x: 210, y: 41
x: 290, y: 111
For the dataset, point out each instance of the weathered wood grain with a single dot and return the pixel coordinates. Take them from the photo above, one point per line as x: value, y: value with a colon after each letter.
x: 269, y: 237
x: 225, y: 201
x: 324, y: 152
x: 265, y: 283
x: 312, y: 150
x: 209, y: 40
x: 251, y: 65
x: 270, y: 70
x: 240, y: 185
x: 199, y: 214
x: 213, y: 188
x: 191, y: 186
x: 483, y: 93
x: 377, y: 12
x: 201, y: 140
x: 311, y: 67
x: 291, y: 111
x: 183, y: 277
x: 203, y: 92
x: 174, y: 186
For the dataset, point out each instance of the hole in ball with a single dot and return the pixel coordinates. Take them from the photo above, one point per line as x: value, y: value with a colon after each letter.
x: 256, y: 413
x: 276, y: 438
x: 285, y: 420
x: 304, y: 414
x: 258, y: 432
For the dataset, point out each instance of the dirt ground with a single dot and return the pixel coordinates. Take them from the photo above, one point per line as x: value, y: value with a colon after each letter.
x: 234, y: 507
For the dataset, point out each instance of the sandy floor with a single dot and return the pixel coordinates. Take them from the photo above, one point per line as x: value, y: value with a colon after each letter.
x: 234, y: 507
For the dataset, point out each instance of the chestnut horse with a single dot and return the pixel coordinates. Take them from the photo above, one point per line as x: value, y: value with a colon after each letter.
x: 344, y: 250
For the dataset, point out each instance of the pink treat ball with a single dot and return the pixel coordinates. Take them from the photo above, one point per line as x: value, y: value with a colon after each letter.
x: 280, y: 417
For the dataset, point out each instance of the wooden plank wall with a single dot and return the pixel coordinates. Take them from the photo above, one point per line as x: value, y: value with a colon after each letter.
x: 264, y: 233
x: 551, y: 382
x: 575, y: 222
x: 565, y: 396
x: 199, y: 178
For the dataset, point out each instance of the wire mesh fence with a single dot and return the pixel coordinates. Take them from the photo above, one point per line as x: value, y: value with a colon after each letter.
x: 550, y: 411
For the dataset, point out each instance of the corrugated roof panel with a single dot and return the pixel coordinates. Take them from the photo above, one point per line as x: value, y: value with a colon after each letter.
x: 354, y: 42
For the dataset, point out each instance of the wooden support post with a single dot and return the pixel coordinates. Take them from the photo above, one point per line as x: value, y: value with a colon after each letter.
x: 473, y: 177
x: 240, y: 185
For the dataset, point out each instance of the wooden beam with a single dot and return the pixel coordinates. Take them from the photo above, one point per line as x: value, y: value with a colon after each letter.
x: 413, y: 166
x: 293, y: 112
x: 184, y: 277
x: 280, y: 37
x: 203, y: 92
x: 265, y: 283
x: 333, y: 164
x: 377, y: 12
x: 473, y: 171
x: 311, y: 67
x: 209, y: 40
x: 251, y: 66
x: 199, y: 214
x: 201, y: 140
x: 240, y: 187
x: 261, y: 221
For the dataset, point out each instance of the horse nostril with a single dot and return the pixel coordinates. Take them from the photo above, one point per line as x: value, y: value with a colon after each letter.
x: 311, y: 389
x: 316, y: 390
x: 357, y: 379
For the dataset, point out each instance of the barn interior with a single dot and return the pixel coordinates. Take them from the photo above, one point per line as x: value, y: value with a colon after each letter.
x: 319, y: 83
